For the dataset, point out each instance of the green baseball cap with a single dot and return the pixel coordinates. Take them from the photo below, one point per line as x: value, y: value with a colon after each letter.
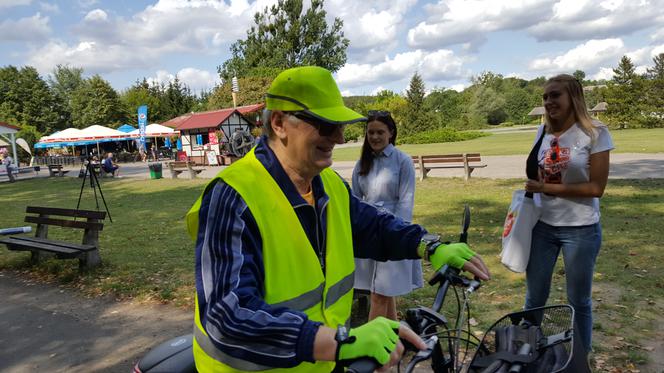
x: 310, y: 89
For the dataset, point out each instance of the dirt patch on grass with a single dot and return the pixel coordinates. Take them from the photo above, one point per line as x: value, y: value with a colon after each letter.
x: 627, y: 337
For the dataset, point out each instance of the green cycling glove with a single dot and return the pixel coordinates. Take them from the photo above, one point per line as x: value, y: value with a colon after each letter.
x: 375, y: 339
x: 454, y: 254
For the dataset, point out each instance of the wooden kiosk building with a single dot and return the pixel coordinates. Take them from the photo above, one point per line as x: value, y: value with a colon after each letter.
x: 204, y: 134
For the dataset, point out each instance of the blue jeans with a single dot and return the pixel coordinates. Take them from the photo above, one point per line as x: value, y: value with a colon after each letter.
x: 580, y: 247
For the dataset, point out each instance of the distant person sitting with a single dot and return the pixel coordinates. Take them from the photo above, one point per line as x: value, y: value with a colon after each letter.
x: 109, y: 166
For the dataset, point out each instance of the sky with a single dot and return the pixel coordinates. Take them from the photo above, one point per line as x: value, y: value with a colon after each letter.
x: 446, y: 41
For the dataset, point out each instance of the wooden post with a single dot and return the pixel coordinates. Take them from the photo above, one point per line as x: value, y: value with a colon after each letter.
x: 42, y: 232
x: 423, y: 172
x: 466, y: 168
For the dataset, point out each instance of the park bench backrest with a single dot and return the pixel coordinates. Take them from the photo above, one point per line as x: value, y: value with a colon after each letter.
x: 179, y: 164
x: 92, y: 225
x: 448, y: 158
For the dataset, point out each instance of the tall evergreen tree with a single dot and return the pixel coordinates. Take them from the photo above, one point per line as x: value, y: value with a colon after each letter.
x: 655, y: 94
x: 625, y: 72
x: 624, y: 96
x: 417, y: 118
x: 286, y: 35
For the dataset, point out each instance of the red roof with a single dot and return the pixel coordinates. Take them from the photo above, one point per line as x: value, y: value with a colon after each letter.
x: 3, y: 124
x: 210, y: 119
x: 175, y: 122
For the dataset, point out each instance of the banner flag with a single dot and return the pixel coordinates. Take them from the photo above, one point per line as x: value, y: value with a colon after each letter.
x: 142, y: 122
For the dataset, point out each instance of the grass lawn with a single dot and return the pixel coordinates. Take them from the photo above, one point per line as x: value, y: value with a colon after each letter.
x: 626, y: 141
x: 147, y: 256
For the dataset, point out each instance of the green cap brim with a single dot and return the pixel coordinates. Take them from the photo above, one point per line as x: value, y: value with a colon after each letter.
x: 337, y: 115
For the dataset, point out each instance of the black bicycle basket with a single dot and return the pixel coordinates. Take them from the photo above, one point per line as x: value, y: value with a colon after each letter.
x: 539, y: 339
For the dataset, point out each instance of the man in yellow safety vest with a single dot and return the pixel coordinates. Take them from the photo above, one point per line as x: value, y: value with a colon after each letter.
x: 276, y: 235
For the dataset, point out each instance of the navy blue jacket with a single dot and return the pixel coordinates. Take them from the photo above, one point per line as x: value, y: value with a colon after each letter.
x: 230, y: 272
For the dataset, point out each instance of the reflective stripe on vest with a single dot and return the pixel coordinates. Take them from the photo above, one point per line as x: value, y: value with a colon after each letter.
x: 293, y: 275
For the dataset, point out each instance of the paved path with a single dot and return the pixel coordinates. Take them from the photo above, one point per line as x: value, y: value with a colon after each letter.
x: 623, y: 166
x: 46, y: 328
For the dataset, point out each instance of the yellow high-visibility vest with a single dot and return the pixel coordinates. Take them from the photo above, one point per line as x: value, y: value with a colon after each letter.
x: 293, y: 274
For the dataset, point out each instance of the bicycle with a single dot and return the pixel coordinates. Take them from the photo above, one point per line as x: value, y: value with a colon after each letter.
x: 535, y: 340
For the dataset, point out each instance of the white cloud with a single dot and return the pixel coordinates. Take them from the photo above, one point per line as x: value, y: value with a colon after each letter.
x: 458, y: 87
x: 33, y: 28
x: 658, y: 35
x: 639, y: 56
x: 605, y: 73
x: 347, y: 93
x: 93, y: 57
x: 656, y: 51
x: 435, y: 66
x: 196, y: 79
x: 49, y: 8
x: 13, y: 3
x: 587, y: 56
x: 87, y: 3
x: 468, y: 21
x: 377, y: 90
x: 586, y: 19
x: 168, y: 26
x: 96, y: 15
x: 372, y: 27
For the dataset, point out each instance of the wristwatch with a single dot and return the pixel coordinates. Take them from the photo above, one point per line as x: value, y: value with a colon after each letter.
x: 428, y: 244
x: 341, y: 336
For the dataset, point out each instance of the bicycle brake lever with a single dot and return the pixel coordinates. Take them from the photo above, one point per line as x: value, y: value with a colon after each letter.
x: 431, y: 343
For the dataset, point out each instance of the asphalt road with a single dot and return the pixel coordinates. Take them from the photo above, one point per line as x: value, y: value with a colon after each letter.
x: 46, y: 328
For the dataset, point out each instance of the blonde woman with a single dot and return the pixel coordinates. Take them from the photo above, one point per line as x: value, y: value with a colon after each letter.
x: 573, y: 171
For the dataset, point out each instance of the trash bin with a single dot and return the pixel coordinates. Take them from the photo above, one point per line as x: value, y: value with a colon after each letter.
x: 155, y: 170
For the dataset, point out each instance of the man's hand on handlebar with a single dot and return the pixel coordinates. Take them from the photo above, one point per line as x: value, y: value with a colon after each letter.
x: 457, y: 255
x: 377, y: 339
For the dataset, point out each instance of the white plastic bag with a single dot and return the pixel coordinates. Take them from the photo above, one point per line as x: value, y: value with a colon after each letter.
x: 522, y: 216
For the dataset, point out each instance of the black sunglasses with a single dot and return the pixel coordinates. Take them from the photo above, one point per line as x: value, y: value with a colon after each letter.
x: 378, y: 113
x: 555, y: 154
x: 324, y: 128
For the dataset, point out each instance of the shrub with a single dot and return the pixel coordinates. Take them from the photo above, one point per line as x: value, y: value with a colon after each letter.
x: 354, y: 132
x: 438, y: 136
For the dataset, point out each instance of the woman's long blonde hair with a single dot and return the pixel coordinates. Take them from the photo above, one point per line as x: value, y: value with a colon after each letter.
x: 575, y: 92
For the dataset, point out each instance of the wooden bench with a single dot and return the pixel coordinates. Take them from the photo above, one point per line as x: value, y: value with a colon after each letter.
x: 56, y: 170
x: 177, y: 167
x: 41, y: 246
x: 468, y: 161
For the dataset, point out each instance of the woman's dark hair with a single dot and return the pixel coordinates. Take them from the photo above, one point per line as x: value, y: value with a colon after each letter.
x: 367, y: 157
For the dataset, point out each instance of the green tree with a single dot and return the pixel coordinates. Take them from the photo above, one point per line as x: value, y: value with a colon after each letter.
x: 96, y: 102
x: 579, y: 75
x: 137, y: 95
x: 25, y: 99
x: 446, y: 106
x: 625, y: 96
x: 64, y: 80
x: 655, y: 94
x: 177, y: 99
x: 286, y: 35
x: 625, y: 73
x: 418, y: 119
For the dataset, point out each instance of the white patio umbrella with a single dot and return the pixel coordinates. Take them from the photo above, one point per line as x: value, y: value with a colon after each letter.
x: 99, y: 134
x: 156, y: 130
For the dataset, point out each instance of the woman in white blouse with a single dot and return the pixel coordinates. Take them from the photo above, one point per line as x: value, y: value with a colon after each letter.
x: 385, y: 177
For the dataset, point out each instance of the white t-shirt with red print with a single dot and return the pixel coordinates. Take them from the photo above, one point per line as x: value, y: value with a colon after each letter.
x: 566, y: 159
